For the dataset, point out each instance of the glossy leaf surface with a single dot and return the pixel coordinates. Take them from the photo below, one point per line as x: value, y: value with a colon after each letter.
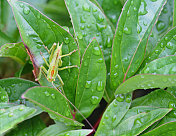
x: 132, y: 33
x: 112, y: 9
x: 29, y: 127
x: 146, y: 81
x: 38, y: 32
x: 166, y: 46
x: 3, y: 95
x: 15, y: 51
x: 53, y: 102
x: 139, y: 122
x: 164, y: 130
x: 164, y: 66
x: 13, y: 115
x: 92, y: 80
x: 113, y: 115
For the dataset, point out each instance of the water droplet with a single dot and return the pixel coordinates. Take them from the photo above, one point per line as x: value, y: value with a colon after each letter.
x: 21, y: 5
x: 38, y: 15
x: 88, y: 26
x: 101, y: 27
x: 21, y: 108
x: 115, y: 104
x: 139, y: 28
x: 96, y: 51
x: 67, y: 134
x: 26, y: 10
x: 145, y: 23
x: 94, y: 10
x: 108, y: 42
x: 142, y: 9
x: 135, y: 9
x: 160, y: 25
x: 100, y: 86
x: 86, y: 7
x: 127, y: 30
x: 132, y: 2
x: 82, y: 19
x: 128, y: 13
x: 156, y: 51
x: 10, y: 114
x: 120, y: 33
x: 166, y: 38
x: 88, y: 84
x: 120, y: 97
x: 169, y: 45
x: 128, y: 98
x: 66, y: 40
x: 100, y: 60
x: 115, y: 75
x: 165, y: 10
x: 100, y: 18
x: 53, y: 96
x: 79, y: 35
x: 94, y: 99
x: 82, y: 27
x: 47, y: 93
x: 161, y: 45
x: 172, y: 105
x: 106, y: 116
x: 114, y: 118
x: 138, y: 122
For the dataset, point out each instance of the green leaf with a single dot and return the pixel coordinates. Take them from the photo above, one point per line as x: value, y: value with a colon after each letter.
x: 164, y: 130
x: 15, y: 87
x: 158, y: 98
x: 166, y: 46
x: 146, y: 81
x: 172, y: 90
x: 164, y: 66
x: 29, y: 127
x: 3, y: 95
x: 134, y: 125
x: 53, y: 102
x: 91, y: 81
x: 112, y: 9
x: 39, y: 32
x: 132, y: 33
x: 15, y: 51
x: 13, y: 115
x: 80, y: 132
x: 54, y: 130
x: 113, y: 115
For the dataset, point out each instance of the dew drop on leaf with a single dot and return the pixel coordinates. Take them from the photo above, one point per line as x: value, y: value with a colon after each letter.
x: 128, y: 98
x: 21, y: 5
x: 139, y: 29
x: 161, y: 45
x: 106, y: 116
x: 94, y: 99
x: 100, y: 18
x: 100, y: 86
x: 120, y: 97
x: 88, y: 84
x: 96, y: 51
x: 127, y: 30
x: 101, y: 27
x: 10, y: 114
x: 82, y: 27
x: 160, y: 25
x: 66, y: 40
x: 53, y: 96
x: 137, y: 122
x: 166, y: 38
x: 26, y: 10
x: 114, y: 118
x: 115, y: 104
x: 132, y: 2
x: 86, y: 7
x: 172, y: 105
x: 100, y: 60
x: 169, y: 45
x: 21, y: 108
x: 79, y: 35
x: 47, y: 93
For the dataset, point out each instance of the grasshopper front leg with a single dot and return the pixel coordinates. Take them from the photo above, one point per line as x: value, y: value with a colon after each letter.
x: 40, y: 73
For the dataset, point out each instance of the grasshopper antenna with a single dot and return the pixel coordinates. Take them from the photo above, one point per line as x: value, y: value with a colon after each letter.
x: 75, y: 108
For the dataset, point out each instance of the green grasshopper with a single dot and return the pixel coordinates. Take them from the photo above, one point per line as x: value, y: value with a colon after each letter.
x: 55, y: 62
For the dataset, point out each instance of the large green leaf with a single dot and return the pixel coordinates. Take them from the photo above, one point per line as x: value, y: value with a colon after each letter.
x: 29, y: 127
x: 38, y: 32
x: 132, y: 33
x: 166, y: 46
x: 54, y: 130
x: 134, y: 125
x: 146, y: 81
x: 113, y: 115
x: 165, y: 65
x: 91, y: 81
x: 15, y: 51
x: 52, y: 101
x: 13, y: 115
x: 164, y: 130
x: 88, y: 22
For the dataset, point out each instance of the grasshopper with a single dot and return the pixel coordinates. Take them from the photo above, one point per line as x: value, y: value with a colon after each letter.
x: 55, y: 62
